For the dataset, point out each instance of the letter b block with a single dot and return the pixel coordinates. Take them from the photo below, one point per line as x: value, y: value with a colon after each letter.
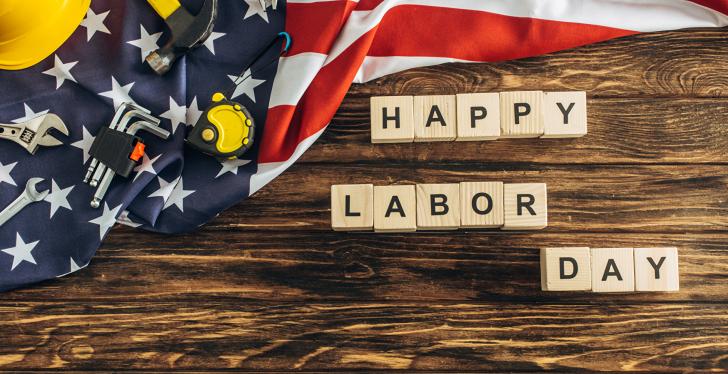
x: 612, y: 269
x: 392, y: 120
x: 438, y: 206
x: 351, y: 207
x: 395, y: 209
x: 566, y: 269
x: 521, y: 114
x: 524, y: 205
x: 655, y: 269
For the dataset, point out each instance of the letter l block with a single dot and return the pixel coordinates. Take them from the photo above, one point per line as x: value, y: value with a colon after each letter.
x: 352, y: 207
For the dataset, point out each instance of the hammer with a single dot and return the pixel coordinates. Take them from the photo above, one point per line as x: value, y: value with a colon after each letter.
x: 188, y: 31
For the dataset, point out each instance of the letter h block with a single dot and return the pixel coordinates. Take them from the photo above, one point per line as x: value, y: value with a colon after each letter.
x: 438, y: 206
x: 352, y: 207
x: 392, y: 119
x: 566, y: 269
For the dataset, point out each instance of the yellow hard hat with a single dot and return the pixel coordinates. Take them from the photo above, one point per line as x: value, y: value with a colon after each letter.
x: 30, y: 30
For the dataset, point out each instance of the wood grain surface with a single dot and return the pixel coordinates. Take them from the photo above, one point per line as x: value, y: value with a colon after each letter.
x: 268, y: 286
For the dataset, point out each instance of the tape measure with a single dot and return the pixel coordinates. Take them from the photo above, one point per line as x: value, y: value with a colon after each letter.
x: 226, y: 129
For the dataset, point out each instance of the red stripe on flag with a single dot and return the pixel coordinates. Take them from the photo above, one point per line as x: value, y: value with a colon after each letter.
x: 478, y: 36
x: 286, y: 127
x: 315, y: 26
x: 718, y: 5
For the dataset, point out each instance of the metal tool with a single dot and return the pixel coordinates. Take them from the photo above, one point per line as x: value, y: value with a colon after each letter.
x: 35, y: 132
x: 226, y: 129
x: 30, y: 195
x: 188, y: 31
x: 117, y: 149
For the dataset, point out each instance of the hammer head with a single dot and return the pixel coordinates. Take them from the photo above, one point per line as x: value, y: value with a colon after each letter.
x: 188, y: 32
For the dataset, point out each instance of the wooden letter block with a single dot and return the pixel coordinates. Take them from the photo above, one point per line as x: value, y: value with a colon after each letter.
x: 612, y: 269
x: 655, y: 269
x: 524, y: 205
x: 564, y: 114
x: 392, y: 119
x: 481, y: 204
x: 395, y: 209
x: 438, y: 206
x: 521, y: 114
x: 566, y: 269
x: 435, y: 118
x: 351, y: 207
x: 478, y: 116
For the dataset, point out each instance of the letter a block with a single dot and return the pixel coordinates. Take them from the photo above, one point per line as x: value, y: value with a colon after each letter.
x: 435, y: 118
x: 524, y: 205
x: 438, y: 206
x: 655, y: 269
x: 395, y: 209
x: 478, y: 116
x: 481, y: 204
x: 521, y: 114
x: 612, y: 269
x: 566, y: 269
x: 351, y: 207
x: 392, y: 120
x: 564, y: 114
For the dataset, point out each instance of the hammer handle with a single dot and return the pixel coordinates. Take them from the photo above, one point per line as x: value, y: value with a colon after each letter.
x: 164, y: 7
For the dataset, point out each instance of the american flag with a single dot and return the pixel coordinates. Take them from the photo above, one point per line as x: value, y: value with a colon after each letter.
x: 335, y: 43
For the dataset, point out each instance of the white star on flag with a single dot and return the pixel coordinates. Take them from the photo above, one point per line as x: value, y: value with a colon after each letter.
x: 61, y: 71
x: 125, y: 220
x: 21, y: 251
x: 85, y: 143
x: 209, y: 42
x: 73, y: 268
x: 58, y: 198
x: 177, y: 114
x: 146, y: 42
x: 5, y: 173
x: 106, y: 220
x: 246, y: 85
x: 146, y: 165
x: 193, y: 112
x: 29, y: 114
x: 94, y: 22
x: 165, y: 188
x: 254, y: 7
x: 118, y: 94
x: 174, y: 195
x: 231, y: 166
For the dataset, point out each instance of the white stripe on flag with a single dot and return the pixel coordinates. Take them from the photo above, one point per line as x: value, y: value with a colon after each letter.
x: 294, y: 75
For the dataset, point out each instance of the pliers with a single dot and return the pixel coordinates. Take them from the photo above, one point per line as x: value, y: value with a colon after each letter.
x: 34, y: 132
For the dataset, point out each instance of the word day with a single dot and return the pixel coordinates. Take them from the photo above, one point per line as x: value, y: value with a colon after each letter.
x: 403, y: 208
x: 609, y: 269
x: 478, y: 116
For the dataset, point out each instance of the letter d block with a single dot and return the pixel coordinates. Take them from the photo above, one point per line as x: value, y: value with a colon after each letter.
x: 395, y: 209
x: 392, y: 119
x: 612, y: 269
x: 521, y: 114
x: 566, y: 269
x: 352, y: 207
x: 655, y: 269
x: 524, y: 205
x: 438, y: 206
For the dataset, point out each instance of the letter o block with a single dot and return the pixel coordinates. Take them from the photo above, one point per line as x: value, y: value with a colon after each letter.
x: 481, y: 204
x: 566, y: 269
x: 438, y: 206
x: 525, y: 206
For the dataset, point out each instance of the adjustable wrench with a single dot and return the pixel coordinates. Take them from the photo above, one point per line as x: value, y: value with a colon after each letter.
x: 34, y: 132
x: 29, y: 195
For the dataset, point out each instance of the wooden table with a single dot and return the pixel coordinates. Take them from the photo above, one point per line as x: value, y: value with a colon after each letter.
x: 269, y: 286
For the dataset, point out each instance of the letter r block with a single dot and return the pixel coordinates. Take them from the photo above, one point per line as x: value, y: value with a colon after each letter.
x: 351, y: 207
x: 438, y: 206
x: 392, y: 119
x: 656, y: 269
x: 481, y: 204
x: 521, y: 114
x: 395, y: 209
x: 612, y: 269
x: 524, y: 206
x: 566, y: 269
